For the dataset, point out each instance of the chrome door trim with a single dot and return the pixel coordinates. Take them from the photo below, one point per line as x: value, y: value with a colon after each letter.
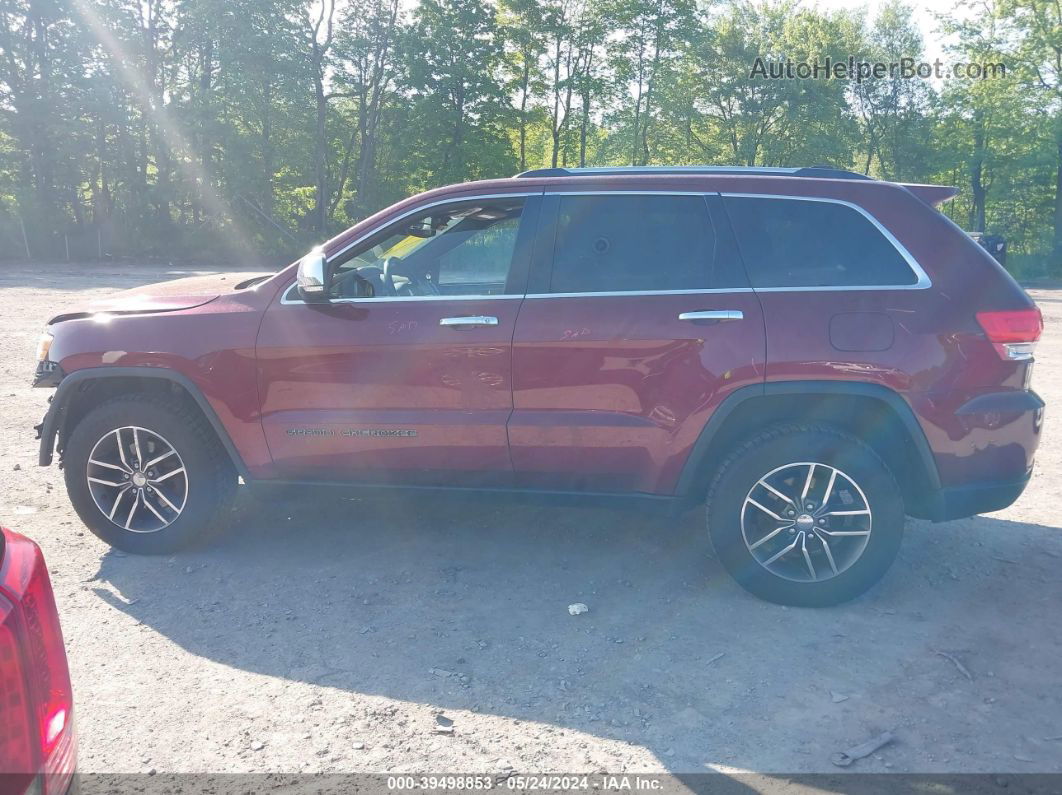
x: 923, y: 281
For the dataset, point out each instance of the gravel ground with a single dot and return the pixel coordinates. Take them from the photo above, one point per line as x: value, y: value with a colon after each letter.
x: 327, y: 634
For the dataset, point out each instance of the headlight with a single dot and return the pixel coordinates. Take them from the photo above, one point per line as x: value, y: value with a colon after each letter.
x: 44, y: 344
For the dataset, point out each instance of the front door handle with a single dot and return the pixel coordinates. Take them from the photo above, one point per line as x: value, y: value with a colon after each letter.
x: 467, y: 322
x: 714, y: 315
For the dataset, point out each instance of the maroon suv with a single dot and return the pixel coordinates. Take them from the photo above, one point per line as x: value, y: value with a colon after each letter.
x: 812, y: 353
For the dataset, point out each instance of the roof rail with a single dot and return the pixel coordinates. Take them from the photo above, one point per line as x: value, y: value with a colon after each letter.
x: 822, y: 172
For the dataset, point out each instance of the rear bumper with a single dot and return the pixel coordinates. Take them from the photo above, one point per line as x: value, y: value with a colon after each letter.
x: 984, y: 448
x: 958, y: 502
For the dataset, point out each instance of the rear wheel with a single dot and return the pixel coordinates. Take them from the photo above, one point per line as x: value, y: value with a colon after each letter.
x: 805, y: 515
x: 147, y: 475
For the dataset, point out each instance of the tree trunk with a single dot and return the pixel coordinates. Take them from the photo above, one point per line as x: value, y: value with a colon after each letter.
x: 977, y: 211
x: 555, y: 132
x: 206, y: 73
x: 525, y: 80
x: 637, y: 122
x: 1057, y: 247
x: 267, y: 148
x: 318, y: 53
x: 585, y: 93
x: 320, y: 165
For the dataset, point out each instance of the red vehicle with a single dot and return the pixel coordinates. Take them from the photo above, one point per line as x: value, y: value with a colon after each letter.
x: 38, y: 746
x: 812, y: 353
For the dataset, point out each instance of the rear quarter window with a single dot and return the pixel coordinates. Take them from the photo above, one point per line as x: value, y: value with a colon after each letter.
x: 810, y: 243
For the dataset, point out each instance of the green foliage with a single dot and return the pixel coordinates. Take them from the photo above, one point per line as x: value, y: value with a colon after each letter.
x: 240, y: 129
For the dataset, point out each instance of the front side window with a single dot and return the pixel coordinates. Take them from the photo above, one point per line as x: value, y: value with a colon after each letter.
x: 460, y: 249
x: 632, y: 243
x: 807, y: 243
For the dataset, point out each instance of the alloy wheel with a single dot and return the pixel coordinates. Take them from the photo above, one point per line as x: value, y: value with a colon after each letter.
x: 137, y: 479
x: 806, y: 522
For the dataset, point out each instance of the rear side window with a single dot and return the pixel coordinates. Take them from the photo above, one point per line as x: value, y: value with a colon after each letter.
x: 638, y: 242
x: 802, y: 243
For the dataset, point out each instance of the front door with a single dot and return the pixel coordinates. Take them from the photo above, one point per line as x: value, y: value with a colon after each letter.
x: 412, y: 385
x: 639, y: 321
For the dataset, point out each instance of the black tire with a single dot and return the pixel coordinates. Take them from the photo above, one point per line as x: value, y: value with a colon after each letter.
x: 775, y: 450
x: 210, y: 488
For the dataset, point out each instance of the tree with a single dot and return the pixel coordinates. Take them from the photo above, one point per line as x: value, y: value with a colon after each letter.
x: 368, y: 65
x: 775, y: 121
x: 454, y: 60
x: 40, y: 84
x: 894, y: 110
x: 1039, y: 24
x: 318, y: 32
x: 643, y: 56
x: 230, y: 128
x: 523, y: 29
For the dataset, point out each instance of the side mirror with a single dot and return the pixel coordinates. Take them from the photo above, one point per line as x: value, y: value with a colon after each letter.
x: 313, y: 282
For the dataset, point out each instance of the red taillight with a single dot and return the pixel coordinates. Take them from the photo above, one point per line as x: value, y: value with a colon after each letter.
x: 1013, y: 333
x: 33, y: 644
x: 18, y: 758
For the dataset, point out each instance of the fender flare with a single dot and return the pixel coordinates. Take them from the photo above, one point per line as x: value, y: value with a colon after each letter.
x: 900, y: 407
x: 49, y: 428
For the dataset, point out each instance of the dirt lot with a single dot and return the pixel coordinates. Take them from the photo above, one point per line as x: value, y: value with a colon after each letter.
x: 325, y: 633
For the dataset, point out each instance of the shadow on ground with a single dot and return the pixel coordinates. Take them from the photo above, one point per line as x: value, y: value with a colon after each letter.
x: 462, y: 604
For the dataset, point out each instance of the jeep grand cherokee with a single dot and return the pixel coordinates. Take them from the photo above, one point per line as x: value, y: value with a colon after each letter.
x: 810, y: 353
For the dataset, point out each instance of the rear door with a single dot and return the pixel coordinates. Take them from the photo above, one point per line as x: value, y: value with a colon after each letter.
x: 414, y: 384
x: 639, y: 320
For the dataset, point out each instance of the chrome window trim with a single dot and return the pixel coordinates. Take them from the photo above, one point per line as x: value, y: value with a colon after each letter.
x: 923, y: 281
x: 605, y: 294
x: 287, y: 300
x: 922, y: 278
x: 619, y: 293
x: 379, y: 299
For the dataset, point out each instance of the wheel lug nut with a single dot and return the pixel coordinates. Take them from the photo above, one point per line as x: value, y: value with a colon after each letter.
x: 822, y: 521
x: 811, y: 506
x: 790, y: 512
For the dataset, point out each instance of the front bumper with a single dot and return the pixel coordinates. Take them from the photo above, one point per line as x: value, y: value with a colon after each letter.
x: 48, y: 374
x: 48, y: 429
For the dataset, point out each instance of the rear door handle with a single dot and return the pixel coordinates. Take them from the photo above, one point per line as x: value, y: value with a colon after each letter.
x: 714, y: 315
x: 467, y: 322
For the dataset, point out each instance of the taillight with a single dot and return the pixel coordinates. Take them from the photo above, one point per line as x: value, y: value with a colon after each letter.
x: 32, y: 642
x: 1013, y: 333
x: 18, y: 758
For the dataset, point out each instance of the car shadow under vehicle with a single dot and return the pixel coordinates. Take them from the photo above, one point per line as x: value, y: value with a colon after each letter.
x: 462, y: 604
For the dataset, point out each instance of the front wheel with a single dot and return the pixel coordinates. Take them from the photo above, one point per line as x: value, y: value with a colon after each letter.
x: 147, y: 475
x: 805, y: 515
